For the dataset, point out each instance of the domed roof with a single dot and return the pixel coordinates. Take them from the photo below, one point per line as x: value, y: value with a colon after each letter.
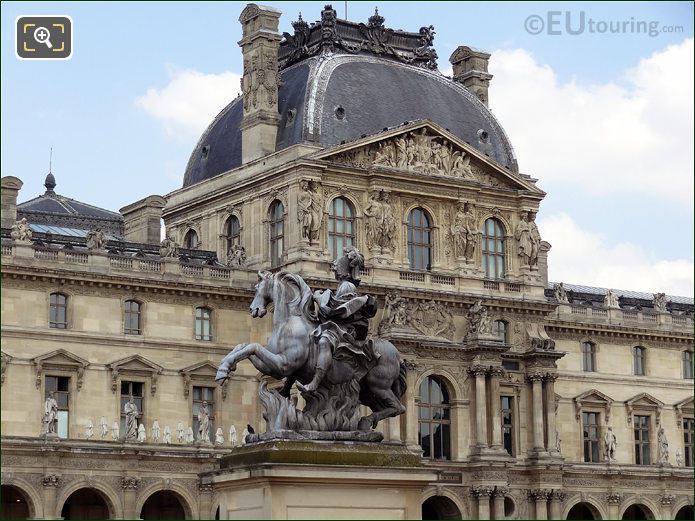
x: 327, y: 98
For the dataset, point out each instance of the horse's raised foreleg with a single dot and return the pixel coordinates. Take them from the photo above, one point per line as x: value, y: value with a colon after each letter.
x: 387, y: 405
x: 228, y: 364
x: 262, y: 359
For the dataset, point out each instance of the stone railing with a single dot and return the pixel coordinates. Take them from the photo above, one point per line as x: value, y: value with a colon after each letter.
x: 627, y: 317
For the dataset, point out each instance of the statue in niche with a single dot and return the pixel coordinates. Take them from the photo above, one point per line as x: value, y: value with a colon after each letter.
x: 89, y: 429
x: 180, y: 432
x: 142, y: 435
x: 21, y: 232
x: 244, y: 435
x: 104, y: 427
x: 662, y: 443
x: 233, y: 436
x: 309, y: 211
x: 156, y: 431
x: 96, y: 240
x: 679, y: 457
x: 219, y: 436
x: 50, y: 416
x: 168, y: 248
x: 478, y: 322
x: 611, y: 299
x: 204, y: 423
x: 167, y: 435
x: 610, y: 444
x: 560, y: 293
x: 236, y: 256
x: 115, y: 431
x: 395, y: 312
x: 131, y: 419
x: 660, y: 302
x: 463, y: 232
x: 529, y: 239
x: 381, y: 224
x: 189, y: 436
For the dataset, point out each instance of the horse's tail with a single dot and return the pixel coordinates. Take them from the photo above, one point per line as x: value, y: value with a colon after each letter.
x: 399, y: 385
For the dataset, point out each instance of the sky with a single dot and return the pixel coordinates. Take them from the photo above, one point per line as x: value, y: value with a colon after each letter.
x: 603, y: 119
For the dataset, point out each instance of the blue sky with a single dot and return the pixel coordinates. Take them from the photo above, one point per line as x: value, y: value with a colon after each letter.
x: 110, y: 150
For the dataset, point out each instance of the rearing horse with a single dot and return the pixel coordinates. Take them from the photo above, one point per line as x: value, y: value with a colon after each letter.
x: 291, y: 351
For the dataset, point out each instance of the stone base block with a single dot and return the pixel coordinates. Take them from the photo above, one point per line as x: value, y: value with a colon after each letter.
x: 320, y: 480
x: 366, y: 436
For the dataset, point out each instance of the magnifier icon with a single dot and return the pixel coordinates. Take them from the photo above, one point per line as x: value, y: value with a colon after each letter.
x: 43, y: 35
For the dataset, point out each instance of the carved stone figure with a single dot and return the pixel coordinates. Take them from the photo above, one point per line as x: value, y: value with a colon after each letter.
x: 168, y: 247
x: 167, y: 435
x: 219, y: 436
x: 180, y: 432
x: 361, y: 370
x: 381, y: 224
x: 189, y: 435
x: 50, y: 416
x: 142, y: 435
x: 96, y: 240
x: 529, y: 239
x: 233, y: 436
x: 660, y: 302
x: 560, y: 293
x: 131, y: 419
x: 244, y: 434
x: 104, y: 427
x: 309, y: 211
x: 89, y: 429
x: 236, y: 256
x: 156, y: 431
x: 21, y: 232
x: 479, y: 324
x: 463, y: 232
x: 558, y: 442
x: 662, y: 442
x: 432, y: 319
x: 115, y: 431
x: 679, y: 457
x: 204, y: 423
x: 610, y: 444
x: 395, y: 313
x: 611, y: 300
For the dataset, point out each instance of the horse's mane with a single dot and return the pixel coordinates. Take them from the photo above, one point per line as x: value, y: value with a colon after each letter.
x: 302, y: 303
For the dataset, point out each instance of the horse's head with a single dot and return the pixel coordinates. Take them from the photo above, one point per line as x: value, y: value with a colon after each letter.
x: 264, y: 294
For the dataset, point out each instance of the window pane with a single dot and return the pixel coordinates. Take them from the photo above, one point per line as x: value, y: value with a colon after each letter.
x: 62, y: 424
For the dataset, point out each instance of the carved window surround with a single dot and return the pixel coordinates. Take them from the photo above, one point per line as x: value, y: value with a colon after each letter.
x: 684, y: 409
x: 62, y: 361
x: 644, y: 402
x: 134, y: 366
x: 593, y: 399
x: 202, y: 374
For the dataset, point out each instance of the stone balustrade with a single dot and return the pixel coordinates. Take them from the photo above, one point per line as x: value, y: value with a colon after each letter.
x: 623, y: 317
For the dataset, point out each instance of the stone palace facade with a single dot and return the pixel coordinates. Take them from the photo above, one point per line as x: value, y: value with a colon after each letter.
x: 345, y: 133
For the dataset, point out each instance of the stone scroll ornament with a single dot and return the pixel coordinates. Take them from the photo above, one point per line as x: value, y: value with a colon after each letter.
x: 350, y: 369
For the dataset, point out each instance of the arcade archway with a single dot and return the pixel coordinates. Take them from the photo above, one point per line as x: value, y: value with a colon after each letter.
x: 15, y: 503
x: 85, y: 503
x: 637, y: 511
x: 583, y: 511
x: 163, y: 504
x: 440, y: 507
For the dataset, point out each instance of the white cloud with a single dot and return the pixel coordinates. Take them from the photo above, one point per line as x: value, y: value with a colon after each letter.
x: 633, y: 135
x: 190, y: 101
x: 581, y: 256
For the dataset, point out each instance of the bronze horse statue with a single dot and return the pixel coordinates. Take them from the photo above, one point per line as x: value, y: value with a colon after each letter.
x: 291, y: 352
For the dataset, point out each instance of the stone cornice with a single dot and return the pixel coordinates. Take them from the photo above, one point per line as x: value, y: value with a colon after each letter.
x: 616, y: 331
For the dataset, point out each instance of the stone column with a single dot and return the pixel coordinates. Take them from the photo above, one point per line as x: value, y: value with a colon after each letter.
x: 536, y: 380
x: 479, y: 371
x: 483, y: 494
x: 550, y: 412
x: 540, y: 498
x: 205, y: 500
x: 50, y: 487
x: 613, y: 499
x: 495, y: 374
x: 130, y: 487
x: 411, y: 405
x: 498, y: 499
x: 556, y: 499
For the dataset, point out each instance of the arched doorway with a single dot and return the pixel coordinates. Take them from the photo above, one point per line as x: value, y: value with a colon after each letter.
x: 637, y: 512
x: 15, y: 504
x: 440, y: 507
x: 686, y: 512
x: 163, y: 504
x: 85, y: 503
x: 583, y: 511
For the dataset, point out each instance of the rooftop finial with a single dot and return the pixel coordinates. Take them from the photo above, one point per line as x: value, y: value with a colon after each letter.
x: 300, y: 16
x: 50, y: 182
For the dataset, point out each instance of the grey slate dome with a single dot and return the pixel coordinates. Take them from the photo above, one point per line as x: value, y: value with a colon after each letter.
x: 338, y: 94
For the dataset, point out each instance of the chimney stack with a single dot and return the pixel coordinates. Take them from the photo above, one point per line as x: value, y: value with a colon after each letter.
x: 470, y: 69
x: 10, y: 187
x: 143, y: 220
x: 259, y: 44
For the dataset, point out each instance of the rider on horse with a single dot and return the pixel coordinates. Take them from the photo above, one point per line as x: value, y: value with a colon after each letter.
x: 344, y: 317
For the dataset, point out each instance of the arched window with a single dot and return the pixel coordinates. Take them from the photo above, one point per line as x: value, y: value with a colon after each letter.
x: 493, y: 249
x: 435, y: 419
x: 588, y: 357
x: 419, y: 240
x: 639, y: 358
x: 688, y: 365
x: 499, y: 329
x: 341, y: 231
x: 190, y: 240
x: 58, y: 311
x: 232, y: 230
x: 276, y: 218
x: 203, y: 323
x: 132, y: 320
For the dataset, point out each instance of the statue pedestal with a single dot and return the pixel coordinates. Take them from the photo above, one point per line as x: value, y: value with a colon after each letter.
x: 290, y: 479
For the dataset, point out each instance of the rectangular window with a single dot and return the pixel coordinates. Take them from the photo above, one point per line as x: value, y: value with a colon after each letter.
x: 588, y: 357
x: 136, y: 390
x: 688, y: 431
x: 203, y: 327
x: 688, y: 365
x: 201, y: 394
x: 132, y: 318
x: 58, y: 311
x: 60, y: 387
x: 590, y: 425
x: 508, y: 424
x: 639, y: 356
x: 641, y: 426
x: 512, y: 366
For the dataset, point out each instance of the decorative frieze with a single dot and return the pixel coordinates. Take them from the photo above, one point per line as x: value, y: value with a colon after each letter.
x: 130, y: 483
x: 51, y: 480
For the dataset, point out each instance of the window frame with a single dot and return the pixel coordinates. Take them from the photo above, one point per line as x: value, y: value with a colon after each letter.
x: 688, y: 432
x: 141, y: 405
x: 203, y: 320
x: 508, y: 427
x: 139, y: 314
x: 67, y: 393
x: 276, y: 228
x: 498, y: 252
x: 56, y: 324
x: 232, y: 235
x: 591, y: 437
x: 591, y: 352
x: 445, y: 421
x: 187, y: 239
x: 420, y: 239
x: 496, y: 330
x: 688, y: 368
x: 639, y: 353
x: 344, y: 237
x: 639, y: 442
x: 195, y: 402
